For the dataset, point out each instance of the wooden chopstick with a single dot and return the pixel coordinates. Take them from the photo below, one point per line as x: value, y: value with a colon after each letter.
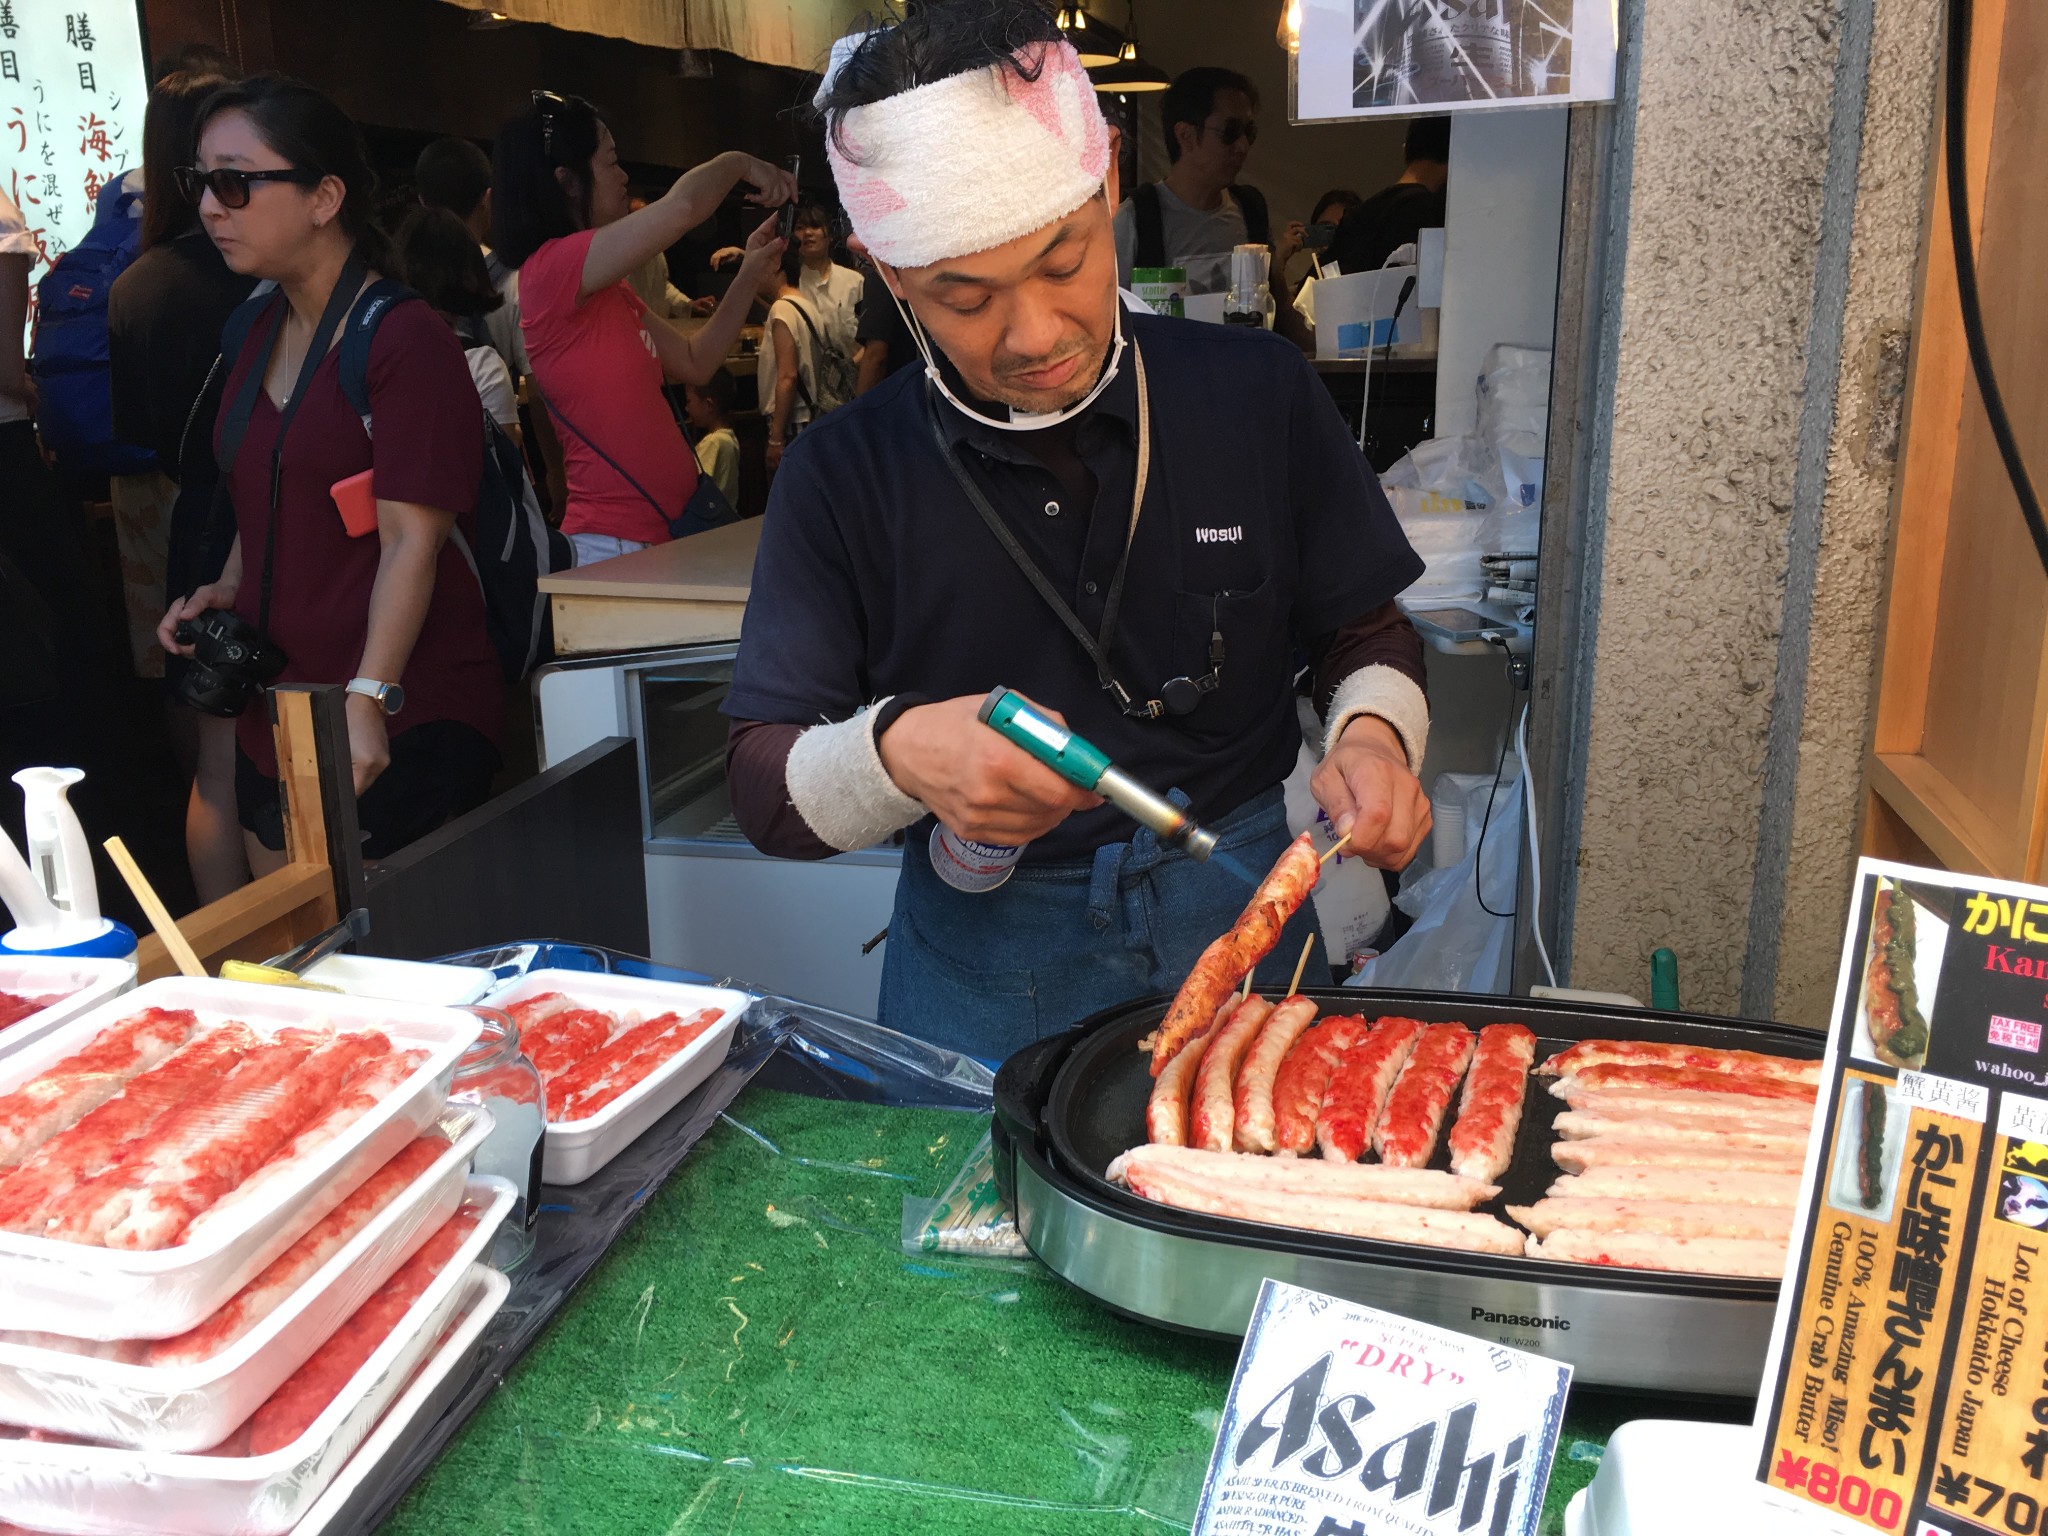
x: 159, y: 916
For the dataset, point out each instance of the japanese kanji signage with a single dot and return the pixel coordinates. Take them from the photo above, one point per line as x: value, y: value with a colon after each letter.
x: 1347, y: 1421
x: 72, y: 89
x: 1908, y: 1386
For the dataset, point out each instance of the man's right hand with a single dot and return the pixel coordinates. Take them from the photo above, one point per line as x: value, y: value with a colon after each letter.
x: 978, y: 784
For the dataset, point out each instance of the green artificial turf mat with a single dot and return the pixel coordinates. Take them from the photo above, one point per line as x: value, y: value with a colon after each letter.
x: 757, y: 1354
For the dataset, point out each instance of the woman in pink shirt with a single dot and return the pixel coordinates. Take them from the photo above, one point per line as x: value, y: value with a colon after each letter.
x: 560, y: 215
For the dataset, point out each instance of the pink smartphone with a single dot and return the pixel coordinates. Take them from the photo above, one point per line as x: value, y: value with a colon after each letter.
x: 357, y: 503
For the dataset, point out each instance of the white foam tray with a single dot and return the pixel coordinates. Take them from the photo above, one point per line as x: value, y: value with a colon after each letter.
x: 103, y: 1293
x: 349, y: 1497
x: 101, y: 1491
x: 194, y: 1407
x: 85, y: 983
x: 576, y: 1149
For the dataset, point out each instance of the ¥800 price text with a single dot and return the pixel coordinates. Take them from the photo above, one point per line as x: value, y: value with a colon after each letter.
x: 1850, y: 1494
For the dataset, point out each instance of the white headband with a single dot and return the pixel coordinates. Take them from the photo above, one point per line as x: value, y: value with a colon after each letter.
x: 969, y: 162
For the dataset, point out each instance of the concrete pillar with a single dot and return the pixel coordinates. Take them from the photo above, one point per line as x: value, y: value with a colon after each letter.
x: 1765, y: 194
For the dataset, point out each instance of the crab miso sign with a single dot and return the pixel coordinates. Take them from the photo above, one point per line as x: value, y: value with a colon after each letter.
x: 1908, y: 1384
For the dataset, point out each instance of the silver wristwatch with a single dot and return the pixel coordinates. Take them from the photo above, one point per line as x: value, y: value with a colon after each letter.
x: 389, y: 696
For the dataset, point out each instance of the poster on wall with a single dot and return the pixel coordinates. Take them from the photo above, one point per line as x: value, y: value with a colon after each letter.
x: 1907, y: 1385
x: 72, y: 89
x: 1404, y: 58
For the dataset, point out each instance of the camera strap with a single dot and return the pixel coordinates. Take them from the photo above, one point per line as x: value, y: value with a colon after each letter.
x: 236, y: 422
x: 1098, y: 645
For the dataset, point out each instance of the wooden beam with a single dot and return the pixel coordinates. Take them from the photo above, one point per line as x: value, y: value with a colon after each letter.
x: 310, y: 723
x: 295, y: 902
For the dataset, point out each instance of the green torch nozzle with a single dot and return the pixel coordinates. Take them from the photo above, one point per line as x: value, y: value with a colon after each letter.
x: 1072, y: 757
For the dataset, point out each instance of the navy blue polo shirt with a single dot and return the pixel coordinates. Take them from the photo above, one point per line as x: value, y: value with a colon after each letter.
x: 876, y: 575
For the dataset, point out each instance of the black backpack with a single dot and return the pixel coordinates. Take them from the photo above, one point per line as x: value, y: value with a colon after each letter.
x: 504, y: 541
x: 1149, y: 248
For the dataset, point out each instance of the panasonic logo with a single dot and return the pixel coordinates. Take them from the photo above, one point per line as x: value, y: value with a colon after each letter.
x: 1514, y: 1320
x: 1220, y: 535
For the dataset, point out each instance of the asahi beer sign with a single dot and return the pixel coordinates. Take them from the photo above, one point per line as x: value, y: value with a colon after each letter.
x: 1347, y: 1421
x: 1366, y: 58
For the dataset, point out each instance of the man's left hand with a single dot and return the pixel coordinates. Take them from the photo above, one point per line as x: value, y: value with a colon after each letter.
x: 1365, y: 786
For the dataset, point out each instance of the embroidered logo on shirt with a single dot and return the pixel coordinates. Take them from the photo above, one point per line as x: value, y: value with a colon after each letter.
x: 1233, y: 535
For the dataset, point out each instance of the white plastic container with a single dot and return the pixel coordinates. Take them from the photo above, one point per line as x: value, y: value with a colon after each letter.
x: 194, y: 1407
x: 575, y: 1149
x: 405, y: 981
x: 348, y: 1498
x: 1668, y: 1477
x: 103, y: 1293
x: 84, y: 984
x: 98, y: 1491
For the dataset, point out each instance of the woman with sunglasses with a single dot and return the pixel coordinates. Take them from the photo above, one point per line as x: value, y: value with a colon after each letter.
x: 561, y: 216
x: 383, y: 602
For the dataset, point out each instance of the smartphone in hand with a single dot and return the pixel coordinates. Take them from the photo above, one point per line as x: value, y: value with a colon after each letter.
x: 1319, y: 237
x: 786, y: 226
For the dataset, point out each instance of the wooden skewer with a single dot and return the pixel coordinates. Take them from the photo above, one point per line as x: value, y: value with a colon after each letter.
x: 1301, y: 965
x: 1336, y: 848
x: 159, y: 916
x: 1245, y: 991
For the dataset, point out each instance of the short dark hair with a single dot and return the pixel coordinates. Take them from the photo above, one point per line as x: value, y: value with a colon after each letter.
x: 309, y: 132
x: 443, y: 264
x: 792, y: 264
x: 529, y: 205
x: 168, y: 138
x: 809, y: 215
x: 1192, y: 96
x: 721, y: 389
x: 191, y: 59
x: 936, y: 41
x: 1343, y: 197
x: 452, y: 174
x: 1429, y: 138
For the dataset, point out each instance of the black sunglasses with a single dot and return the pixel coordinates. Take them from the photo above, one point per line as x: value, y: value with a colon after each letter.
x: 549, y: 104
x: 230, y: 188
x: 1235, y: 128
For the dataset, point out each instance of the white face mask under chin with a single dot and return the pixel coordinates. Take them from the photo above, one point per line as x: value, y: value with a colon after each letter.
x: 1016, y: 421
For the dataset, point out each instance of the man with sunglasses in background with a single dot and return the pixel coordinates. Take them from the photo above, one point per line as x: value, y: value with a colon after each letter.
x: 1192, y: 218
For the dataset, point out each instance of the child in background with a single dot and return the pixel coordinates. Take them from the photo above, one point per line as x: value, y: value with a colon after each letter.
x: 709, y: 407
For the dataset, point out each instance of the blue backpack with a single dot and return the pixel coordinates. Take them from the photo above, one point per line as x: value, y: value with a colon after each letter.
x: 74, y: 380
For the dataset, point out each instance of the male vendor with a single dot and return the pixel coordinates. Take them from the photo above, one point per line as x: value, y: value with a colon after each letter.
x: 1181, y: 515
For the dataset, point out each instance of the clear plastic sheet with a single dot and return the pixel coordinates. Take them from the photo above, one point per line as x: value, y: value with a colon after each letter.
x: 103, y: 1491
x: 114, y: 1394
x: 102, y: 1293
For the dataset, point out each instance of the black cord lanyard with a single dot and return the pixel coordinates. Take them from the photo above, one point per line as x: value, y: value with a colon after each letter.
x: 338, y: 305
x: 1096, y: 645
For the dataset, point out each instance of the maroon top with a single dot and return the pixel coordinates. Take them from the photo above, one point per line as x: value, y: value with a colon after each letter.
x: 429, y: 450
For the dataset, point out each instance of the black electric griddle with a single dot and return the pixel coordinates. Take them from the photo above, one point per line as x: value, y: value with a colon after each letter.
x: 1067, y: 1106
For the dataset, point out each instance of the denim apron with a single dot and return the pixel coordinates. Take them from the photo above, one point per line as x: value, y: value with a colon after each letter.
x: 987, y: 973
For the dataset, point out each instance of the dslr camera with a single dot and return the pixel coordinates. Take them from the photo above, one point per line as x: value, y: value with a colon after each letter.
x: 231, y: 661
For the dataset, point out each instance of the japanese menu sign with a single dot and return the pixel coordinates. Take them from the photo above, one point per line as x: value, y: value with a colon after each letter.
x: 72, y: 90
x: 1344, y: 1420
x: 1908, y: 1382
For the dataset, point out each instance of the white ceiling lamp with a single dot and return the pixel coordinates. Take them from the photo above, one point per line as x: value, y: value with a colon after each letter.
x: 1289, y: 30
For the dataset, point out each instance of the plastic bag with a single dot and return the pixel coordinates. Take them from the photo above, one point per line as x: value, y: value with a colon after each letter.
x: 1438, y: 492
x: 969, y: 1219
x: 1457, y: 945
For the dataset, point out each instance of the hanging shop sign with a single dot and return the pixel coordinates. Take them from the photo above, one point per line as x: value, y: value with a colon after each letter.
x: 1907, y: 1389
x: 72, y: 90
x: 1376, y: 58
x: 1344, y: 1420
